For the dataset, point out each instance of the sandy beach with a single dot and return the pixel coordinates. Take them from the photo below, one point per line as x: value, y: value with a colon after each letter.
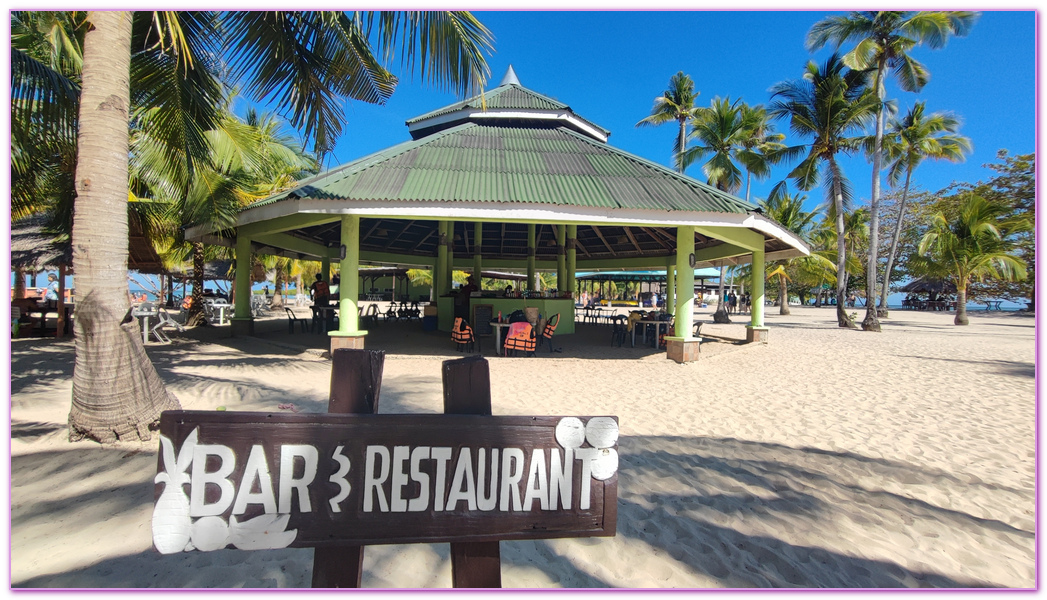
x: 826, y: 458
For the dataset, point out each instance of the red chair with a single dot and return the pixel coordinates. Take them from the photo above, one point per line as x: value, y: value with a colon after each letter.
x: 549, y: 330
x: 521, y: 337
x: 462, y: 334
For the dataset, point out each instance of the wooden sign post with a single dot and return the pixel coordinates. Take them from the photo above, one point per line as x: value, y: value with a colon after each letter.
x: 338, y: 481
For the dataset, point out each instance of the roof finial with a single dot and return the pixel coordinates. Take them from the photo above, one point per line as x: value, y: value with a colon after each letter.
x: 510, y: 77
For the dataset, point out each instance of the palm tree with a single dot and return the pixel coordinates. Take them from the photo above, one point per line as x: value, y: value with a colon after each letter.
x: 884, y: 39
x: 719, y: 131
x: 827, y: 105
x: 787, y: 210
x: 972, y: 244
x: 675, y: 104
x: 306, y: 61
x: 762, y: 146
x: 907, y: 143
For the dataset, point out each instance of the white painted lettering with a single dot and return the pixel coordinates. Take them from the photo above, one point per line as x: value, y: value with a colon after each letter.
x: 510, y: 488
x: 310, y: 458
x: 422, y: 501
x: 219, y: 477
x: 441, y: 456
x: 339, y: 479
x: 397, y: 503
x: 375, y: 481
x: 257, y: 469
x: 490, y: 500
x: 463, y: 474
x: 537, y: 482
x: 561, y: 473
x: 585, y: 455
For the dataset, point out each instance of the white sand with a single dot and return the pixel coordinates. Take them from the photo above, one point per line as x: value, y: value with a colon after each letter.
x: 824, y: 458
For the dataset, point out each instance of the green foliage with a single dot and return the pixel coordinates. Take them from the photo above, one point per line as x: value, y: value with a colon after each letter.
x: 973, y: 242
x: 676, y: 104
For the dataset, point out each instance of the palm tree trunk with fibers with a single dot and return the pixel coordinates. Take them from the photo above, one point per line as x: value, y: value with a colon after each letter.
x: 841, y: 251
x: 871, y: 322
x: 894, y: 241
x: 783, y: 296
x: 961, y: 303
x: 117, y: 393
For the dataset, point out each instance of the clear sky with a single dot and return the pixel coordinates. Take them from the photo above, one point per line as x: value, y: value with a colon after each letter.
x: 609, y: 67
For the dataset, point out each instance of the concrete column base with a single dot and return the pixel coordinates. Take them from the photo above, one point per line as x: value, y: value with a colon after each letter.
x: 756, y: 334
x: 682, y: 350
x: 241, y: 326
x: 354, y: 341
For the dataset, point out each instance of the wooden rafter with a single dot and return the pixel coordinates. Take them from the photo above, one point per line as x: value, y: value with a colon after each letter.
x: 427, y: 236
x: 399, y: 235
x: 632, y: 239
x: 654, y: 235
x: 604, y: 240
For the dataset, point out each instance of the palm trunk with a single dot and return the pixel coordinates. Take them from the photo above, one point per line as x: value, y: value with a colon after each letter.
x: 721, y: 316
x: 196, y: 310
x: 894, y: 241
x: 19, y: 283
x: 871, y: 322
x: 961, y: 304
x: 682, y: 141
x: 748, y: 180
x: 841, y: 251
x: 117, y: 393
x: 783, y: 296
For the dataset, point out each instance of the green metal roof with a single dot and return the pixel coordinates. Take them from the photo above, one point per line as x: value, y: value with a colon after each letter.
x: 506, y: 97
x: 536, y: 164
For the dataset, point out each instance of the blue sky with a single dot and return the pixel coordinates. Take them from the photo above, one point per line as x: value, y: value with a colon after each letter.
x: 609, y: 67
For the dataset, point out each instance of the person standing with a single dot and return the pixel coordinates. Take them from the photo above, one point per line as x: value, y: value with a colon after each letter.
x: 52, y: 290
x: 320, y: 291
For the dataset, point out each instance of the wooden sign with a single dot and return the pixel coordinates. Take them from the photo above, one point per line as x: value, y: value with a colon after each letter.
x: 483, y: 314
x: 262, y: 480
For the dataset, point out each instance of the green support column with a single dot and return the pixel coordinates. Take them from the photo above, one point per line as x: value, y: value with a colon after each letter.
x: 478, y: 240
x: 683, y: 347
x: 530, y: 256
x: 670, y: 286
x: 242, y: 323
x: 349, y: 334
x: 572, y: 259
x: 349, y: 286
x: 561, y: 258
x: 440, y: 273
x: 684, y: 283
x: 755, y: 331
x: 449, y: 274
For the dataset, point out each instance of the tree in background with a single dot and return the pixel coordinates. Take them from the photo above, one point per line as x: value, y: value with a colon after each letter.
x: 787, y: 210
x: 675, y: 104
x: 828, y: 105
x: 278, y: 56
x: 883, y: 41
x: 1014, y: 186
x: 972, y: 243
x: 906, y: 144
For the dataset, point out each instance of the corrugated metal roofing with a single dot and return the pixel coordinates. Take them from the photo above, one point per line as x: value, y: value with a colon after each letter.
x: 476, y: 162
x: 510, y: 96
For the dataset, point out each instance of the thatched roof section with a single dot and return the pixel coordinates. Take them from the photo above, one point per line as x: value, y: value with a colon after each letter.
x: 35, y: 249
x: 925, y: 285
x: 213, y: 270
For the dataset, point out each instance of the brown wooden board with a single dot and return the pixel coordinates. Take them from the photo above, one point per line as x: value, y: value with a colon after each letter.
x: 267, y: 510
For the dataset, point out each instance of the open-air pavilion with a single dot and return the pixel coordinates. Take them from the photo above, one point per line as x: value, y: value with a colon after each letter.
x: 518, y: 181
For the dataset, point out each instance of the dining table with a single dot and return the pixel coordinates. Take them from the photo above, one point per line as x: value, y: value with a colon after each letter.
x: 323, y: 318
x: 497, y: 326
x: 657, y: 329
x: 221, y: 307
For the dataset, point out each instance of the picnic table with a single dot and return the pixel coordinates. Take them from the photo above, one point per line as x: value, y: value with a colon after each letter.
x: 993, y: 305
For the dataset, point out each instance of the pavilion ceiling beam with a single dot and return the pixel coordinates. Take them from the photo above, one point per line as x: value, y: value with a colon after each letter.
x: 579, y: 246
x: 501, y: 241
x: 604, y: 240
x: 654, y: 235
x: 419, y: 244
x: 287, y: 241
x: 632, y: 238
x: 282, y: 224
x: 399, y: 235
x: 377, y: 222
x: 738, y: 236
